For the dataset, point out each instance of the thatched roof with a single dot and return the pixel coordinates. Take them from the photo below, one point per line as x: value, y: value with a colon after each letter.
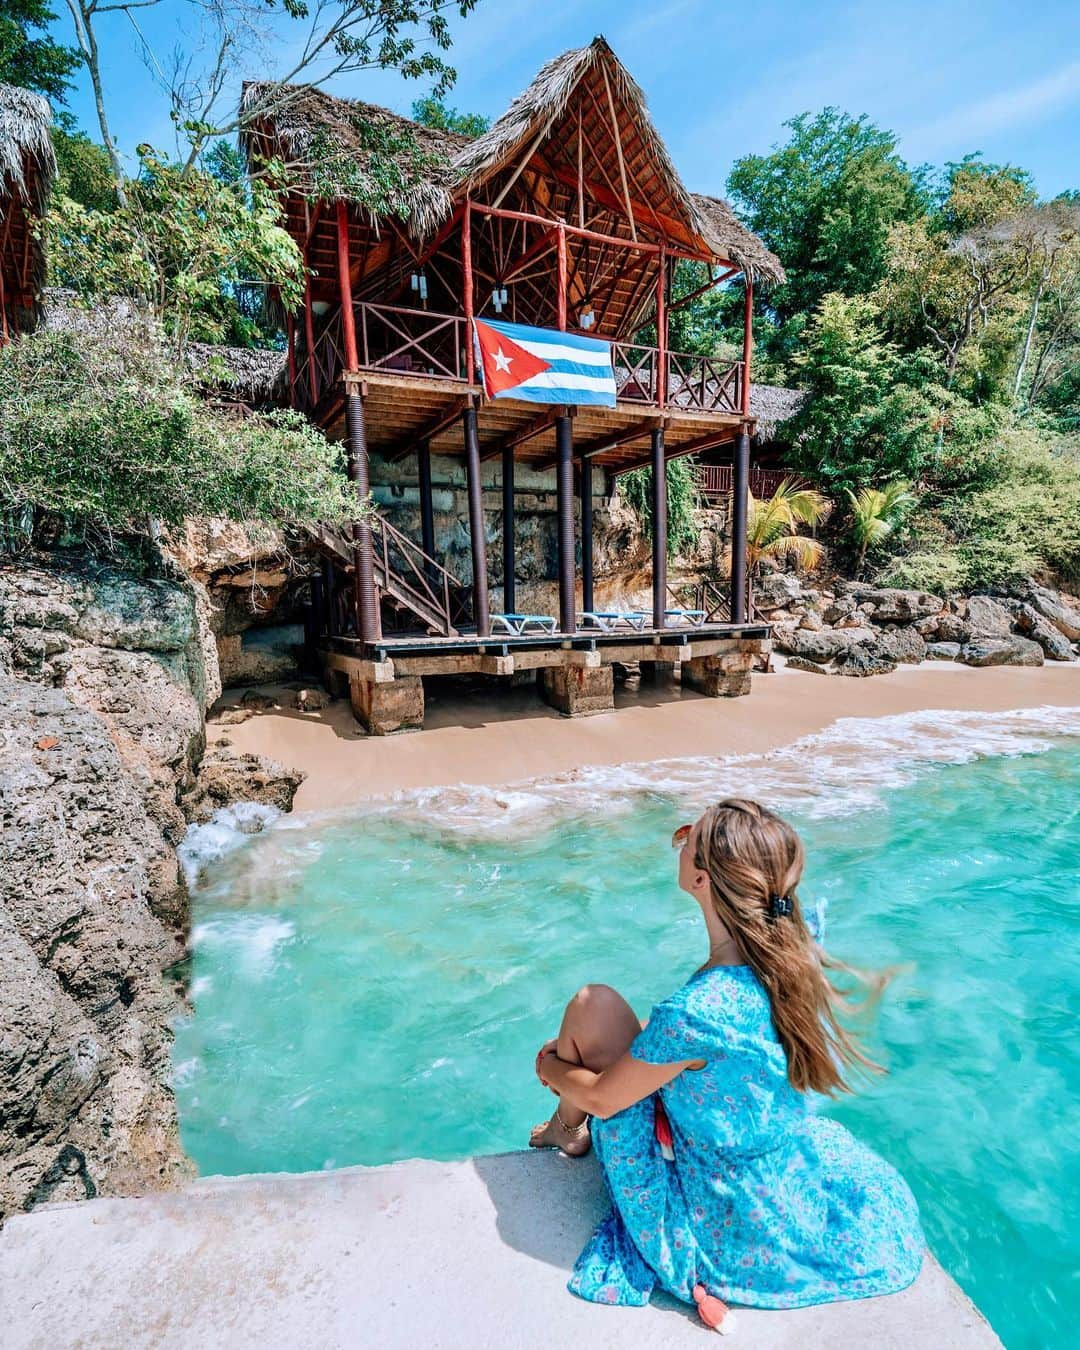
x: 27, y: 162
x: 245, y: 375
x: 327, y: 144
x: 304, y: 123
x: 773, y: 405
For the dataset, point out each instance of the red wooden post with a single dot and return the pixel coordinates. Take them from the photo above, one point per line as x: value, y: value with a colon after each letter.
x: 661, y: 330
x: 562, y: 278
x: 348, y: 320
x: 290, y: 329
x: 309, y: 338
x: 467, y: 283
x: 748, y: 343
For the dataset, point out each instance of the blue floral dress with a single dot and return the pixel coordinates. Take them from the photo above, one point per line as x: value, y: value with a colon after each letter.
x: 765, y: 1204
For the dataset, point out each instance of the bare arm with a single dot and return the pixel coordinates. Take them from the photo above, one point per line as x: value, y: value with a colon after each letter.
x: 623, y: 1083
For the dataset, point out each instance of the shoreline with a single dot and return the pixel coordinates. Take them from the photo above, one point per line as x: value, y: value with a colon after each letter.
x: 491, y: 738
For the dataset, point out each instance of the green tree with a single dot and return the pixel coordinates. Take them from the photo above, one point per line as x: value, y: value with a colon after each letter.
x: 868, y: 412
x: 29, y: 56
x: 176, y: 244
x: 105, y: 430
x: 433, y: 112
x: 824, y: 202
x: 772, y: 527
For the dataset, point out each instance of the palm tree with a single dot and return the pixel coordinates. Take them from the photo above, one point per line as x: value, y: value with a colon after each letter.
x: 772, y: 525
x: 875, y: 513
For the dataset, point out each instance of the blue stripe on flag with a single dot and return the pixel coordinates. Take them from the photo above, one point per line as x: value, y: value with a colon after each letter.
x: 521, y: 332
x: 577, y: 397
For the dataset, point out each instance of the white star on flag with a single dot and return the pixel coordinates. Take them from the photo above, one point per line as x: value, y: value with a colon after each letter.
x: 502, y: 361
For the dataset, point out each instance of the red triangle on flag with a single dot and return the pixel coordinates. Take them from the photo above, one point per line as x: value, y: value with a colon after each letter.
x: 505, y: 364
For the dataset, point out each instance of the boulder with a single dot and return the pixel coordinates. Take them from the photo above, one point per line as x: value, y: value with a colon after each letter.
x: 251, y: 698
x: 943, y: 651
x: 1001, y: 651
x: 777, y: 590
x: 1031, y: 624
x: 226, y: 776
x: 987, y: 617
x: 863, y: 661
x: 812, y: 621
x: 902, y: 645
x: 839, y: 608
x: 891, y: 604
x: 943, y: 627
x: 260, y: 656
x: 1064, y: 617
x: 311, y: 700
x: 824, y: 646
x: 801, y: 663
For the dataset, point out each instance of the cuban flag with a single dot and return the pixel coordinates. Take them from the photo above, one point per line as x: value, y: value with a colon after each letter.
x: 542, y: 365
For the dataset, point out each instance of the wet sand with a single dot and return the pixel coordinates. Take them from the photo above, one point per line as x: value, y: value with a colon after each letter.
x: 503, y: 735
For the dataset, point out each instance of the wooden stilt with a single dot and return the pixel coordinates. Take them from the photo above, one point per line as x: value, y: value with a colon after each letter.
x: 467, y: 298
x: 659, y: 523
x: 509, y: 562
x: 748, y: 342
x: 564, y: 470
x: 739, y: 493
x: 366, y: 599
x: 348, y: 319
x: 476, y: 524
x: 585, y: 480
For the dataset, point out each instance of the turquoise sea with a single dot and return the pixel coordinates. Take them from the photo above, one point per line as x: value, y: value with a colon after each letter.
x: 373, y: 985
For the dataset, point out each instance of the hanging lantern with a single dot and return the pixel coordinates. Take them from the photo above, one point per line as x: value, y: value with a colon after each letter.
x: 498, y: 298
x: 418, y: 282
x: 586, y: 316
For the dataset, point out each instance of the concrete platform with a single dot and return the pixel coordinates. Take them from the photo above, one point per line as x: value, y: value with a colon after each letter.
x: 437, y: 1256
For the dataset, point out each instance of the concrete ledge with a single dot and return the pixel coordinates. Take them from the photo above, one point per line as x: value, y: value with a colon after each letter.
x: 436, y: 1256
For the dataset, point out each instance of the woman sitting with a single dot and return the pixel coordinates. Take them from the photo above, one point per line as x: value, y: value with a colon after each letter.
x: 721, y: 1176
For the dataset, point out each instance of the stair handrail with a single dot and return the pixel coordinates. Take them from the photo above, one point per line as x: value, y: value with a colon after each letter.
x: 428, y: 571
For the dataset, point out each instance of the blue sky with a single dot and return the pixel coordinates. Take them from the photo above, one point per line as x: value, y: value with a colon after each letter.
x: 948, y: 77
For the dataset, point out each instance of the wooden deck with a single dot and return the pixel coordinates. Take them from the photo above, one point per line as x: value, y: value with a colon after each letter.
x: 400, y: 411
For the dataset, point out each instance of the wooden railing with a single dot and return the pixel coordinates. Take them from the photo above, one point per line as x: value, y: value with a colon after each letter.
x: 714, y: 481
x: 418, y: 342
x: 419, y: 582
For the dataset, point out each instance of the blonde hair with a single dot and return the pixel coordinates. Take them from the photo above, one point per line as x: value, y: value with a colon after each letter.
x: 754, y: 861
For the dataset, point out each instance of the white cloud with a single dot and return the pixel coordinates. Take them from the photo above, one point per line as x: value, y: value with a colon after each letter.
x: 1015, y: 107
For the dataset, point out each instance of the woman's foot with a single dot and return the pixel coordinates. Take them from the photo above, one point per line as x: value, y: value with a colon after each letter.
x: 552, y: 1133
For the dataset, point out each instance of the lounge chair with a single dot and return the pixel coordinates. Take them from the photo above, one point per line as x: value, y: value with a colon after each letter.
x: 608, y: 620
x: 517, y: 625
x: 691, y: 618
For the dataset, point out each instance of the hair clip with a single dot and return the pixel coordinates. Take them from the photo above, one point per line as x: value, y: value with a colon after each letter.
x: 780, y: 905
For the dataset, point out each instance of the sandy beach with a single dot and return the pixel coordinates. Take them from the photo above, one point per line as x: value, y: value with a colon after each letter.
x: 506, y: 735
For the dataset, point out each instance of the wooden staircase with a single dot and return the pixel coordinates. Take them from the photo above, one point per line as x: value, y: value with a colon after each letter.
x: 414, y: 589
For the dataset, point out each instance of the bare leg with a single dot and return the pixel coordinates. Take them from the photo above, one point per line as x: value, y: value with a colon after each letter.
x: 597, y: 1029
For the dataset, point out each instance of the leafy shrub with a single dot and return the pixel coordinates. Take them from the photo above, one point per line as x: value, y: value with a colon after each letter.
x: 635, y: 488
x: 105, y: 430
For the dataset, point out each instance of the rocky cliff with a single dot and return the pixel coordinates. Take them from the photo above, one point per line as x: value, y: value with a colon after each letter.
x: 104, y: 681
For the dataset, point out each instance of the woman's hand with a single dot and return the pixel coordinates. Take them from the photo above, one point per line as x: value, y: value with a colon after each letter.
x: 548, y: 1048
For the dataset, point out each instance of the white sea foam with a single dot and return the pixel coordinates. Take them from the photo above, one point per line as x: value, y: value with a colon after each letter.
x: 840, y: 770
x: 225, y: 831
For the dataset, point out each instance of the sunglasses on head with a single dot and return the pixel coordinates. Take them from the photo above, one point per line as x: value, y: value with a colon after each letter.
x: 681, y: 836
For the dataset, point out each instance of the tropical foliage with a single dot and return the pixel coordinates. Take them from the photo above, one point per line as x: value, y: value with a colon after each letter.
x: 772, y: 525
x: 875, y: 514
x: 103, y: 430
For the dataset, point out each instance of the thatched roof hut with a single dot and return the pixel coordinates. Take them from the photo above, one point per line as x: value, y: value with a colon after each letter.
x: 27, y: 168
x: 584, y: 95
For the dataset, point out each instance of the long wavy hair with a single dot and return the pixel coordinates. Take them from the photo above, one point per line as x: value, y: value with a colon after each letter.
x: 754, y: 861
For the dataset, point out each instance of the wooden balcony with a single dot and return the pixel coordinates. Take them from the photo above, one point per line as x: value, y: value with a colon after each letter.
x: 395, y: 340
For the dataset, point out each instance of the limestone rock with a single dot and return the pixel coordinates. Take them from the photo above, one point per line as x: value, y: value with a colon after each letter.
x: 227, y: 776
x: 801, y: 663
x: 903, y: 645
x: 987, y: 618
x: 1031, y: 624
x: 260, y: 656
x: 777, y: 590
x: 85, y: 1103
x: 943, y: 627
x: 839, y: 608
x: 812, y: 621
x: 1001, y: 651
x: 1064, y: 617
x: 251, y: 698
x: 825, y: 646
x: 890, y: 604
x: 862, y: 661
x: 311, y: 700
x: 943, y: 651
